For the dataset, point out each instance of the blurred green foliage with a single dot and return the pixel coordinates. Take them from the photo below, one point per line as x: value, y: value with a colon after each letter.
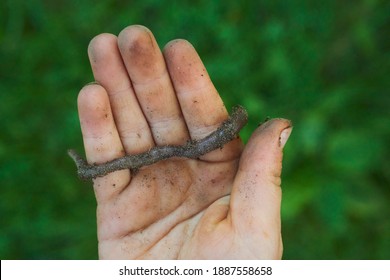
x: 323, y: 64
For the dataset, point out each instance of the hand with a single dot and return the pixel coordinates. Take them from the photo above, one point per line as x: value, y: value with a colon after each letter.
x: 224, y: 205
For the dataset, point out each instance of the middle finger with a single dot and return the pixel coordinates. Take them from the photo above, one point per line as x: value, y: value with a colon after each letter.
x: 153, y: 87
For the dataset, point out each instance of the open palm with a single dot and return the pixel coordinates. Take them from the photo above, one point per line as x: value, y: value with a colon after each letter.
x: 226, y: 204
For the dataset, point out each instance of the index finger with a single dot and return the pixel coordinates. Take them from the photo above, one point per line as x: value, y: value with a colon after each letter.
x: 201, y: 105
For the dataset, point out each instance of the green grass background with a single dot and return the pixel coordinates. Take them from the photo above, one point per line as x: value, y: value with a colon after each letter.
x: 323, y: 64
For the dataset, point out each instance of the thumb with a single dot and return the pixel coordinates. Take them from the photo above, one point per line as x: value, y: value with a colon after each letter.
x: 256, y: 195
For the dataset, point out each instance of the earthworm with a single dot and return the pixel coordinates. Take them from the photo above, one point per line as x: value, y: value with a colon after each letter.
x: 193, y: 149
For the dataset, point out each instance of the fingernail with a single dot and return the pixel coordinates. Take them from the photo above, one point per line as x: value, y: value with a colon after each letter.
x: 284, y: 135
x: 92, y: 83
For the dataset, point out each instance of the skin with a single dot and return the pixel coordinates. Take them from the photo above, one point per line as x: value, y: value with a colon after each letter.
x: 193, y: 149
x: 224, y: 205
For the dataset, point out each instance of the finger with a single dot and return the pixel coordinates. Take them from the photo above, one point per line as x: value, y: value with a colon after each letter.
x: 109, y: 71
x: 101, y: 139
x: 256, y: 195
x: 151, y: 82
x: 200, y: 102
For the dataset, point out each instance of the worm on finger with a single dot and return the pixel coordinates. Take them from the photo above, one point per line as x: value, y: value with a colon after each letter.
x: 193, y: 149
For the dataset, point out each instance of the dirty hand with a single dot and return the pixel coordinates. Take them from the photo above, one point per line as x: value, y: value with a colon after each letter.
x: 226, y: 204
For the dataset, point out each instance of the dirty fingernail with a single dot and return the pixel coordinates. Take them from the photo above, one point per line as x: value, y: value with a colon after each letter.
x: 284, y: 135
x: 92, y: 83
